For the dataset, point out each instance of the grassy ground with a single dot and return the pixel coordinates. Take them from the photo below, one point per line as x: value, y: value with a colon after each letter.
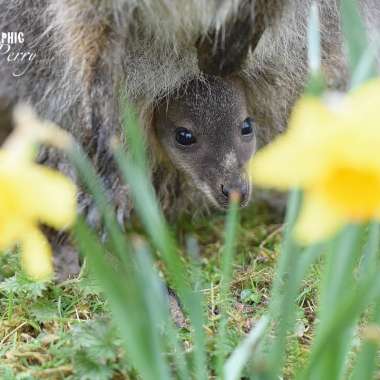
x: 63, y: 331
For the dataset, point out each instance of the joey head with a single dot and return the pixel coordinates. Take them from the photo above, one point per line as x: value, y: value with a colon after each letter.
x: 207, y: 133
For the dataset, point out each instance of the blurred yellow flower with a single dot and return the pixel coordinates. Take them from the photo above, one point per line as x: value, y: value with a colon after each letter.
x: 31, y: 194
x: 332, y: 152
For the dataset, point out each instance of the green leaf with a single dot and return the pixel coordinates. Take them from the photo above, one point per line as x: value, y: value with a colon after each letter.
x: 97, y: 338
x: 228, y: 253
x: 21, y: 286
x: 117, y: 240
x: 355, y: 35
x: 135, y: 173
x: 284, y: 292
x: 366, y: 362
x: 44, y: 311
x: 366, y: 67
x: 250, y: 297
x: 128, y: 306
x: 6, y: 372
x: 89, y: 286
x: 243, y: 353
x: 314, y: 40
x: 88, y: 369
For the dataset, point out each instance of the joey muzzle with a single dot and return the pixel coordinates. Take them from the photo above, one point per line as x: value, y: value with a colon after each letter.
x: 237, y: 184
x: 242, y: 189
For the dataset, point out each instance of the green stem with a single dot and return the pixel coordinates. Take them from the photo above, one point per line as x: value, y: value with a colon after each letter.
x: 341, y: 260
x: 232, y: 222
x: 366, y: 363
x: 345, y: 312
x: 282, y: 307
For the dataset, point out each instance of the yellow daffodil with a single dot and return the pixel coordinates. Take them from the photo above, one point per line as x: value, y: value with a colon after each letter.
x: 31, y: 194
x: 332, y: 152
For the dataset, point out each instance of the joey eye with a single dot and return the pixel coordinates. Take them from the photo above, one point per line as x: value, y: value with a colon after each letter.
x: 247, y: 127
x: 184, y: 136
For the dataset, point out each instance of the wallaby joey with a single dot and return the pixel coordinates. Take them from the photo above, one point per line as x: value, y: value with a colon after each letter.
x: 208, y: 133
x: 210, y: 81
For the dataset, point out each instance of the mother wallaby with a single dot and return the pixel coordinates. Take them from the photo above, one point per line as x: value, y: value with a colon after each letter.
x: 211, y: 80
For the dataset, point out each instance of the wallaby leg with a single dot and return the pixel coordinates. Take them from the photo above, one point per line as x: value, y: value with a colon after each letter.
x: 175, y: 309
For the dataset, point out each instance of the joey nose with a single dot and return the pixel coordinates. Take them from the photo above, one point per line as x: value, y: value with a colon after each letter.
x: 225, y: 191
x: 241, y: 189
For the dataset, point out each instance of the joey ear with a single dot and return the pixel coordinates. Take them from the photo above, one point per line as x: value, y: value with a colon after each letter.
x: 223, y: 52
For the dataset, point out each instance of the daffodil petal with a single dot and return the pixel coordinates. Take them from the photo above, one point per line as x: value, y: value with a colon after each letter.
x: 36, y: 256
x: 295, y: 158
x: 285, y: 164
x: 36, y: 193
x: 310, y: 116
x: 362, y: 105
x: 51, y: 198
x: 318, y: 220
x: 10, y: 231
x: 272, y: 166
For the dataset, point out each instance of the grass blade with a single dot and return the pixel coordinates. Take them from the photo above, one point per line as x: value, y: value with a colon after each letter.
x: 338, y: 280
x: 242, y: 354
x: 282, y: 307
x: 347, y: 311
x: 366, y: 362
x: 96, y: 189
x: 366, y: 67
x: 355, y: 34
x: 200, y: 357
x: 227, y: 262
x: 134, y: 172
x: 156, y: 301
x: 314, y: 41
x: 127, y: 305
